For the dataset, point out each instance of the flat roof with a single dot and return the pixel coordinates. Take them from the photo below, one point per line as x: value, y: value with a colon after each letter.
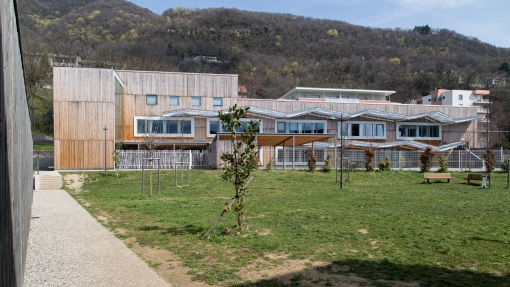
x: 366, y: 92
x: 266, y: 139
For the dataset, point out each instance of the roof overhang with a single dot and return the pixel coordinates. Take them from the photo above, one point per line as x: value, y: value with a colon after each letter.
x: 328, y: 90
x: 265, y: 139
x: 413, y: 145
x: 331, y: 114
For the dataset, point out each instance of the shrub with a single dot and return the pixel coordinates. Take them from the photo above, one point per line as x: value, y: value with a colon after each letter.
x: 504, y: 166
x: 369, y: 157
x: 443, y: 163
x: 312, y: 159
x: 426, y: 159
x: 327, y: 166
x: 385, y: 164
x: 489, y: 160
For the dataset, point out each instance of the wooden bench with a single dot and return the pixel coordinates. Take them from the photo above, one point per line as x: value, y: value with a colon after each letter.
x: 429, y: 176
x: 474, y: 176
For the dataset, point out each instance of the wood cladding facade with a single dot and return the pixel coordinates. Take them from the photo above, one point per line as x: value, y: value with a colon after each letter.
x: 85, y: 100
x: 83, y: 104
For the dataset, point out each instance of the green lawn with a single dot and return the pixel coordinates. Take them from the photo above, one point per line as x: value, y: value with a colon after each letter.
x: 38, y: 146
x: 382, y: 225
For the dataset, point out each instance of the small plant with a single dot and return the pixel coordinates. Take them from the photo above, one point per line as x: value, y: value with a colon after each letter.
x: 312, y: 159
x: 401, y: 162
x: 327, y: 166
x: 426, y: 159
x: 504, y: 166
x: 385, y: 164
x: 117, y: 157
x: 443, y: 163
x: 369, y: 157
x: 489, y: 158
x: 269, y: 165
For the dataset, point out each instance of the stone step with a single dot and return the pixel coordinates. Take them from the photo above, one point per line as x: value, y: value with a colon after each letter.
x: 47, y: 181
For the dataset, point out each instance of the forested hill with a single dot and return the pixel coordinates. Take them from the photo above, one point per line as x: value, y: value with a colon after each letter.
x: 272, y: 53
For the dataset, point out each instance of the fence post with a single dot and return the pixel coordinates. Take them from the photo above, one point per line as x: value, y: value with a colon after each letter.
x: 143, y: 179
x: 508, y: 173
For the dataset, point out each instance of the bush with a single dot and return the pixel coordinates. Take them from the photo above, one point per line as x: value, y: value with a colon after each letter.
x: 489, y: 160
x: 312, y: 159
x: 443, y: 164
x: 385, y: 164
x: 369, y: 157
x: 327, y: 166
x: 426, y: 159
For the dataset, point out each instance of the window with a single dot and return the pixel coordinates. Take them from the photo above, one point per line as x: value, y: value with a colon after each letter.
x: 460, y: 97
x: 300, y: 127
x: 174, y: 100
x: 160, y: 127
x: 217, y: 102
x: 196, y: 101
x: 364, y: 130
x: 151, y: 99
x: 214, y: 126
x: 423, y: 131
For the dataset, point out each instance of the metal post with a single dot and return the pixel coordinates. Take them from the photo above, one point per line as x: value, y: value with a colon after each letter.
x: 487, y: 125
x: 105, y: 129
x: 159, y: 160
x: 342, y: 152
x: 508, y: 174
x: 336, y: 156
x: 143, y: 178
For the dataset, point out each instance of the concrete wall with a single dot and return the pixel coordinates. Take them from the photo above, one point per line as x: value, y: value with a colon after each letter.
x: 15, y: 153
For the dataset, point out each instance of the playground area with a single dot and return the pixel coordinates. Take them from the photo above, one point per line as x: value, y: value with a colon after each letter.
x: 382, y: 229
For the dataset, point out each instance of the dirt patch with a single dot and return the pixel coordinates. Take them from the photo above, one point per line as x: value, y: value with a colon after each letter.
x: 269, y: 267
x: 74, y: 181
x: 167, y: 265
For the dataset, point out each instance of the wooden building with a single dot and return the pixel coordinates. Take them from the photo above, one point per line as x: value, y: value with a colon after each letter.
x: 181, y: 109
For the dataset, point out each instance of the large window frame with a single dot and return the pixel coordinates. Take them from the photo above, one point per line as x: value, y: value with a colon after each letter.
x: 418, y: 131
x: 300, y: 126
x: 165, y: 127
x: 363, y: 130
x: 219, y: 128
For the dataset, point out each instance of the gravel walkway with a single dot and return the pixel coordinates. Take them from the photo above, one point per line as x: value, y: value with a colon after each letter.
x: 68, y: 247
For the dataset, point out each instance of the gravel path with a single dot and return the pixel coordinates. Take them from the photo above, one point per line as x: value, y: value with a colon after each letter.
x: 68, y: 247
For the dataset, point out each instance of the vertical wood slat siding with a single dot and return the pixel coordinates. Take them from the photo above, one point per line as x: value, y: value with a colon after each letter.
x: 84, y: 102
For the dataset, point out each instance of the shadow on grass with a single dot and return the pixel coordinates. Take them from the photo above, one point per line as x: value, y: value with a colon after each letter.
x: 188, y: 229
x: 381, y: 274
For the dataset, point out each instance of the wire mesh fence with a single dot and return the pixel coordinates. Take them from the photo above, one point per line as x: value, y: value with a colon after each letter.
x: 458, y: 160
x: 169, y: 159
x: 288, y: 158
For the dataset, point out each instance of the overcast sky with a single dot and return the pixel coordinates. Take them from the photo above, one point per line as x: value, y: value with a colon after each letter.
x: 487, y: 20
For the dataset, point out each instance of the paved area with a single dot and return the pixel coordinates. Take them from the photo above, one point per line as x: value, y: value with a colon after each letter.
x: 68, y: 247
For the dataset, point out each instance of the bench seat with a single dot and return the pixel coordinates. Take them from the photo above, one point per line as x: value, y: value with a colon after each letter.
x: 429, y: 176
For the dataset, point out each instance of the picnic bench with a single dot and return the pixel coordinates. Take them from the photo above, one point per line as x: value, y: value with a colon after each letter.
x: 474, y: 176
x: 429, y: 176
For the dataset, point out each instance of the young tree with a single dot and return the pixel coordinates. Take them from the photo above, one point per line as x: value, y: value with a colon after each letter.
x: 240, y: 162
x: 312, y: 159
x: 117, y: 157
x: 150, y: 143
x: 426, y: 159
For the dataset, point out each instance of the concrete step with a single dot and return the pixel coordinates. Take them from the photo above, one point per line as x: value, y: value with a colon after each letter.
x: 47, y: 180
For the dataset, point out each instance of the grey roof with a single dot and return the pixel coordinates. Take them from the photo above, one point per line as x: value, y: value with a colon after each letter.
x: 437, y: 116
x: 409, y: 144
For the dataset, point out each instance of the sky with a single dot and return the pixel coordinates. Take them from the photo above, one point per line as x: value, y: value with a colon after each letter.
x: 486, y: 20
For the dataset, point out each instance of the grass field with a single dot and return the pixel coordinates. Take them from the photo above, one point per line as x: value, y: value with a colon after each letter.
x: 381, y: 226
